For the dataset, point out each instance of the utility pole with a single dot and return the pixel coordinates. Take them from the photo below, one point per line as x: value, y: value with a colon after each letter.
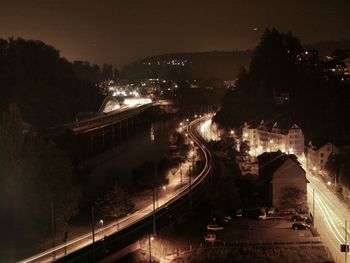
x: 180, y: 174
x: 154, y: 212
x: 149, y: 246
x: 93, y: 234
x: 65, y: 242
x: 53, y: 231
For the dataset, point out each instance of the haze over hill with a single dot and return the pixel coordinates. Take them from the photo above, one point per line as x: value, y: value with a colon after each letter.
x: 211, y: 65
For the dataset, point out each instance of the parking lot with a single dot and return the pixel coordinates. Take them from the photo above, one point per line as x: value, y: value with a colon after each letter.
x: 252, y: 230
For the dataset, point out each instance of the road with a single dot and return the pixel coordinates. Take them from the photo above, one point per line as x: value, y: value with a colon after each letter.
x: 170, y: 196
x: 330, y: 216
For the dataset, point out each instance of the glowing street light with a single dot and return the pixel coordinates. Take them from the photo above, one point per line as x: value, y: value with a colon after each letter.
x: 329, y: 183
x: 232, y: 132
x: 101, y: 222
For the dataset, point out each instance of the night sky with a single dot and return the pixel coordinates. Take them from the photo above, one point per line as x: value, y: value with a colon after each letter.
x: 118, y: 32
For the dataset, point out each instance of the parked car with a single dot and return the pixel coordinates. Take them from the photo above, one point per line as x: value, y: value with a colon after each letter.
x: 270, y: 211
x: 285, y: 212
x: 228, y: 218
x: 300, y: 226
x: 308, y: 220
x: 297, y: 218
x: 262, y: 214
x: 210, y: 238
x: 214, y: 227
x: 224, y: 221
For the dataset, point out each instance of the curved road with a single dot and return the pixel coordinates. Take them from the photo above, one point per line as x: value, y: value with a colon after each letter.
x: 141, y: 214
x: 330, y: 216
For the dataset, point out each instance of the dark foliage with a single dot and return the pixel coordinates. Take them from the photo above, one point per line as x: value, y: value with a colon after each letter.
x: 114, y: 203
x: 275, y: 69
x: 93, y: 73
x: 33, y: 173
x: 41, y: 83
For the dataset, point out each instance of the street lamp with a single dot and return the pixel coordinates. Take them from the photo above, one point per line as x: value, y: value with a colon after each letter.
x: 101, y: 222
x: 150, y: 238
x: 180, y: 174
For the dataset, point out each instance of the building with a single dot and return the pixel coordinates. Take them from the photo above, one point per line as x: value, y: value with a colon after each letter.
x: 266, y: 138
x: 277, y: 173
x: 317, y: 155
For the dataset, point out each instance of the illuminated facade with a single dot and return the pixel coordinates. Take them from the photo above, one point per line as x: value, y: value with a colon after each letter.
x: 268, y: 139
x: 317, y: 156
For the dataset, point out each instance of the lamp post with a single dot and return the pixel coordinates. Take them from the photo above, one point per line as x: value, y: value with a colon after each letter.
x: 150, y: 238
x: 101, y: 222
x: 53, y: 230
x: 93, y: 233
x: 154, y: 212
x: 180, y: 174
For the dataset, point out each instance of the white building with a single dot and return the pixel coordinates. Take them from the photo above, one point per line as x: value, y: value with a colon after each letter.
x: 317, y: 156
x: 267, y: 139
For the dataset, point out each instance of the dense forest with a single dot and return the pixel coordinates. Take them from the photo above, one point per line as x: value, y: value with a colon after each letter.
x: 43, y: 85
x: 318, y: 105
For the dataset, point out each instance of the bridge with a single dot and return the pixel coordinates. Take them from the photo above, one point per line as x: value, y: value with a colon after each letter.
x: 129, y: 229
x: 110, y: 125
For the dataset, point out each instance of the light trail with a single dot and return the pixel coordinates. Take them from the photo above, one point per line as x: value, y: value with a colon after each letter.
x: 137, y: 216
x: 330, y: 216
